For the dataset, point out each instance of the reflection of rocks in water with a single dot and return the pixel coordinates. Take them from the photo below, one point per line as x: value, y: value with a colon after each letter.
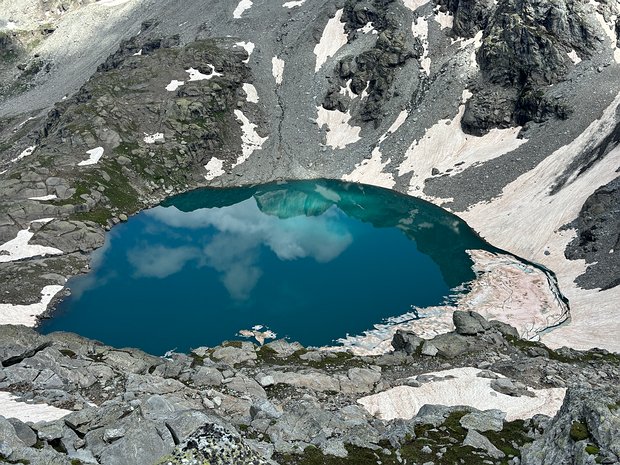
x: 288, y: 204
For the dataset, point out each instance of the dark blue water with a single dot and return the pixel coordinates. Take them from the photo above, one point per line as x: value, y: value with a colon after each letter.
x: 311, y: 260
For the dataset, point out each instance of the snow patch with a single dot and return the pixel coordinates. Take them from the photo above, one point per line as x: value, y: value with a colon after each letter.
x: 277, y: 69
x: 10, y: 407
x: 250, y: 92
x: 610, y: 30
x: 293, y: 4
x: 506, y: 222
x: 152, y: 138
x: 370, y: 171
x: 347, y: 90
x: 339, y: 132
x: 250, y: 140
x: 248, y: 47
x: 368, y: 28
x: 461, y: 386
x: 241, y: 7
x: 174, y: 85
x: 445, y: 20
x: 94, y: 157
x: 214, y: 168
x: 398, y: 122
x: 138, y: 53
x: 414, y: 4
x: 19, y: 248
x: 44, y: 197
x: 25, y: 153
x: 445, y: 147
x: 419, y: 28
x: 27, y: 314
x: 574, y: 57
x: 195, y: 75
x: 333, y: 38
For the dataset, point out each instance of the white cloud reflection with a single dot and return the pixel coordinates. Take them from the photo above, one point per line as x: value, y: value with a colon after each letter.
x: 233, y: 251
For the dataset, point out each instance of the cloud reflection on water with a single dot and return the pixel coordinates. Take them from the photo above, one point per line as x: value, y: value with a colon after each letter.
x: 233, y: 250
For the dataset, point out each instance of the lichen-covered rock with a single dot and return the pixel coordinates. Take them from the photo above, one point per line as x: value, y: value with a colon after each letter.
x: 215, y: 445
x: 585, y: 430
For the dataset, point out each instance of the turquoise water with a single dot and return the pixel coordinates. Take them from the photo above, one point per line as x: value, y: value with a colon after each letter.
x: 311, y: 260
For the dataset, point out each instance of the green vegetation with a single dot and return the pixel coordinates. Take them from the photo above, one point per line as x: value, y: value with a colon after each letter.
x: 333, y: 360
x: 450, y: 436
x: 592, y: 449
x: 579, y: 431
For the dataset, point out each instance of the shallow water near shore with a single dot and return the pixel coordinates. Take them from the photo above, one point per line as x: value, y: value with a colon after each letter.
x: 310, y: 260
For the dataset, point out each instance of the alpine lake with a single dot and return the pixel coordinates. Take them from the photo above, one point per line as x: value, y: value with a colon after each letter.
x: 312, y: 261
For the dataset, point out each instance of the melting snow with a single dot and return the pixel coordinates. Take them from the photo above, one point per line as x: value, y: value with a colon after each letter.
x: 461, y: 386
x: 277, y: 69
x: 400, y: 119
x: 95, y: 155
x: 195, y: 75
x: 445, y: 144
x: 294, y: 4
x: 574, y: 57
x: 10, y: 407
x: 174, y: 85
x: 18, y: 248
x: 347, y: 90
x: 250, y: 140
x: 45, y: 197
x: 138, y: 53
x: 419, y: 28
x: 339, y: 132
x: 248, y: 46
x: 368, y: 28
x: 445, y: 20
x: 250, y: 92
x: 152, y: 138
x: 241, y: 7
x: 414, y: 4
x: 334, y: 36
x: 27, y: 152
x: 370, y: 171
x: 27, y: 314
x: 214, y: 168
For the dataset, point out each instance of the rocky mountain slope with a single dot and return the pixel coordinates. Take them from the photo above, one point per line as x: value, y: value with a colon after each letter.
x: 507, y: 113
x: 282, y: 403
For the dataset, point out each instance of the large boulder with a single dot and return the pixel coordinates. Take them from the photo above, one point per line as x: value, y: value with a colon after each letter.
x: 469, y: 323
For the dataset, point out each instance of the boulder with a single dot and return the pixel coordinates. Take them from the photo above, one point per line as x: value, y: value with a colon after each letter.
x: 406, y: 341
x: 478, y: 441
x: 488, y: 420
x: 469, y: 323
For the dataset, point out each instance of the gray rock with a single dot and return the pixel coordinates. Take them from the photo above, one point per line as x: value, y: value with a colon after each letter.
x: 334, y: 447
x: 406, y: 341
x: 142, y: 443
x: 183, y: 424
x: 265, y: 409
x: 429, y: 349
x: 24, y: 432
x: 510, y: 388
x: 112, y: 434
x: 469, y: 323
x: 9, y: 437
x: 488, y: 420
x: 233, y: 355
x: 478, y: 441
x: 207, y: 376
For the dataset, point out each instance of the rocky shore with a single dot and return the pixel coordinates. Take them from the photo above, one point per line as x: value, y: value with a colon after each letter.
x: 281, y: 403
